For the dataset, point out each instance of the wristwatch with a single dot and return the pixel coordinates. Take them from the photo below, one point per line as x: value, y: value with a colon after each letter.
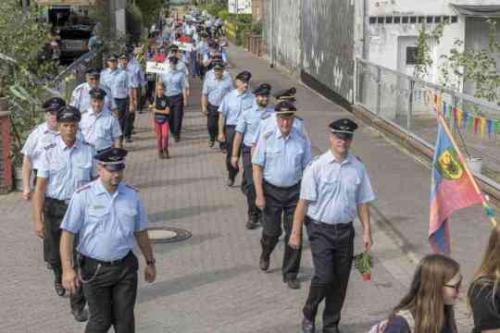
x: 151, y: 262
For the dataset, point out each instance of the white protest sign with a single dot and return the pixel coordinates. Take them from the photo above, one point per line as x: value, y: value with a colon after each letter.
x: 184, y: 46
x: 156, y: 67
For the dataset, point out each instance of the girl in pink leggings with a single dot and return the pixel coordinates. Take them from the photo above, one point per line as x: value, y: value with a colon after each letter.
x: 161, y: 114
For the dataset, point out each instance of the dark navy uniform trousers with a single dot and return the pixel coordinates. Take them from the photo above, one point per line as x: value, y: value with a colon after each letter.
x: 279, y: 209
x: 332, y: 247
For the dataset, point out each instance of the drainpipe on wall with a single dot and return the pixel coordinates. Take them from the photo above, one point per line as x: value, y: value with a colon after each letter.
x: 272, y: 33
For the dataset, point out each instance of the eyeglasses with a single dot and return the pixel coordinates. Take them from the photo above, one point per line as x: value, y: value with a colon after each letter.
x: 456, y: 286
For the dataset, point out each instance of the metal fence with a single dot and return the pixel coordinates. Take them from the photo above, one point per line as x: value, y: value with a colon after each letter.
x: 407, y: 102
x: 74, y: 74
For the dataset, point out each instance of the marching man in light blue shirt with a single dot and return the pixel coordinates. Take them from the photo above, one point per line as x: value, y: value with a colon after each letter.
x: 233, y: 105
x: 107, y: 215
x: 116, y: 80
x: 99, y: 126
x: 335, y: 189
x: 66, y: 164
x: 215, y: 88
x: 278, y: 162
x: 80, y: 97
x: 245, y: 131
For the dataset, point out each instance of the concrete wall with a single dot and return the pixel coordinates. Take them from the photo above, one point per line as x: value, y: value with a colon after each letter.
x: 282, y: 32
x: 328, y: 44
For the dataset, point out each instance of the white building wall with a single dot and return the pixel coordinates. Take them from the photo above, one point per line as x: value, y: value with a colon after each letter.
x: 383, y: 39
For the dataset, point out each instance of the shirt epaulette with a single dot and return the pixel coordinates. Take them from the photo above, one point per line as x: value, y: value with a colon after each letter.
x: 267, y: 135
x: 132, y: 187
x: 52, y: 145
x: 265, y: 115
x: 83, y: 188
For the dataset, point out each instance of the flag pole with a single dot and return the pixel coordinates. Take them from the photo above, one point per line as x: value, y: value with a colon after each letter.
x: 443, y: 123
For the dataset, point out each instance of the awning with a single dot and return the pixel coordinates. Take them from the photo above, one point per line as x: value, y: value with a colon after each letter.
x: 468, y: 8
x: 66, y: 2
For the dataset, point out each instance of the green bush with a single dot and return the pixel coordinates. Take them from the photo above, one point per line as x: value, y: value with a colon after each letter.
x: 223, y: 14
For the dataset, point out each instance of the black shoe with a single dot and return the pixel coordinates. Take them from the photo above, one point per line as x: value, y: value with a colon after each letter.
x: 230, y: 182
x: 60, y: 291
x: 80, y: 315
x: 211, y: 143
x: 264, y: 263
x: 252, y: 224
x: 177, y: 138
x: 308, y: 326
x: 293, y: 283
x: 128, y: 140
x: 331, y: 330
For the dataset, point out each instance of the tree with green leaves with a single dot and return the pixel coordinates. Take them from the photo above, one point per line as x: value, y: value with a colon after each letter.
x: 22, y: 38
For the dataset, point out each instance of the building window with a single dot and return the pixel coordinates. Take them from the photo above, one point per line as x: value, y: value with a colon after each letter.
x: 454, y: 19
x: 413, y: 19
x: 372, y: 20
x: 411, y: 55
x: 388, y: 20
x: 397, y: 20
x: 405, y: 19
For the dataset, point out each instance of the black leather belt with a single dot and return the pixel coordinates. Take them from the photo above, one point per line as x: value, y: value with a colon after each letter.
x: 107, y: 263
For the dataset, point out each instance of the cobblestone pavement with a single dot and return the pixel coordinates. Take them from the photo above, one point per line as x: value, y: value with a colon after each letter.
x: 211, y: 282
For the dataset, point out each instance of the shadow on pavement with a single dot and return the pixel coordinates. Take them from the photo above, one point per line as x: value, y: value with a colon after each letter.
x: 173, y: 182
x: 180, y: 213
x: 189, y: 282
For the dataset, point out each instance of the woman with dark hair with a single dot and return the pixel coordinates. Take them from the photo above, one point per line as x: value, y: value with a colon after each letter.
x: 428, y: 306
x: 484, y: 293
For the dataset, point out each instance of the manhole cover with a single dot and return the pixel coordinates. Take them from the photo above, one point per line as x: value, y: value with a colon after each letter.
x: 167, y: 234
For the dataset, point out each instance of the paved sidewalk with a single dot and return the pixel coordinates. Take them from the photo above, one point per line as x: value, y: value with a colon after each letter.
x: 211, y: 282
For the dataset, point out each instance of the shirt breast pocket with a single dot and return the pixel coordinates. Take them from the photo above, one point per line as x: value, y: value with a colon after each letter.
x: 82, y: 173
x: 127, y: 221
x: 96, y: 218
x: 245, y: 105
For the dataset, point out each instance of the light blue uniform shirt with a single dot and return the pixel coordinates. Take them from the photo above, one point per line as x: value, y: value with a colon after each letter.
x: 215, y: 89
x: 269, y: 123
x: 175, y: 82
x: 100, y: 129
x: 202, y: 47
x: 207, y: 55
x: 66, y: 168
x: 116, y: 81
x: 34, y: 146
x: 283, y: 159
x: 249, y: 123
x: 80, y: 98
x: 234, y: 104
x: 105, y: 222
x: 333, y: 190
x: 133, y: 77
x: 227, y: 76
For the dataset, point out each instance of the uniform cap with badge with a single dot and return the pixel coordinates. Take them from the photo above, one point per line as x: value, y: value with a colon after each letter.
x: 53, y: 104
x: 113, y: 159
x: 244, y: 76
x: 123, y: 56
x: 111, y: 57
x: 92, y: 73
x: 97, y: 93
x: 285, y: 108
x: 218, y: 65
x: 343, y: 128
x: 286, y: 94
x: 68, y: 114
x: 263, y: 89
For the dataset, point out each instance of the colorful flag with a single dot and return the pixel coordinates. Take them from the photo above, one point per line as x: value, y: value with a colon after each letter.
x: 451, y: 190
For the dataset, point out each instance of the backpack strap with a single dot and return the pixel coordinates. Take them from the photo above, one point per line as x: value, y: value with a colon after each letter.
x: 406, y: 314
